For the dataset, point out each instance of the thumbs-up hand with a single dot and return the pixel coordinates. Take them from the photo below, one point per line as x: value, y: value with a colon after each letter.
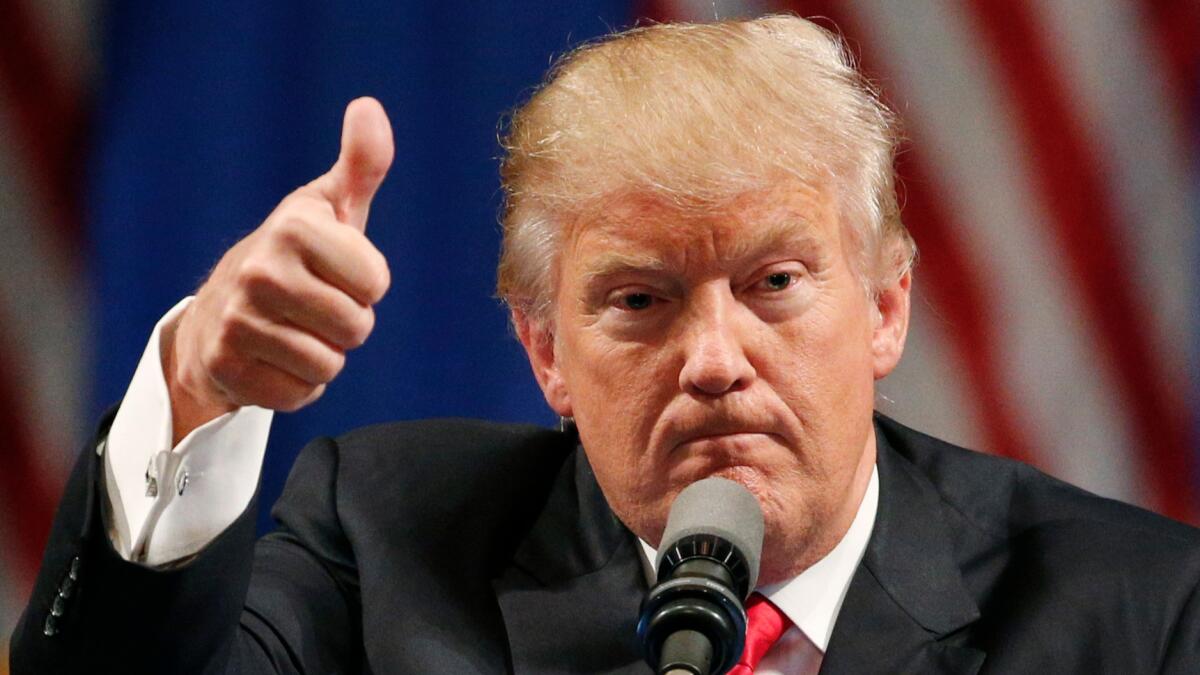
x: 272, y: 324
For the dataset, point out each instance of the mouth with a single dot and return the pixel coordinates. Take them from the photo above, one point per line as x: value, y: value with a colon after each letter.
x: 724, y: 438
x: 723, y: 441
x: 738, y: 455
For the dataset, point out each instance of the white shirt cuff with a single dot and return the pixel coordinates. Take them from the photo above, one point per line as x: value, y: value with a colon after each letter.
x: 168, y: 503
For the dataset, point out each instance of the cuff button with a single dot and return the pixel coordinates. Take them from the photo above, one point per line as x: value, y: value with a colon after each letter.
x: 66, y: 587
x: 50, y: 628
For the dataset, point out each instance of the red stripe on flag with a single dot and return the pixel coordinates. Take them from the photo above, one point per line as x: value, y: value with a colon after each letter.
x: 1068, y: 176
x: 655, y: 10
x: 48, y: 118
x: 960, y: 294
x: 1176, y: 23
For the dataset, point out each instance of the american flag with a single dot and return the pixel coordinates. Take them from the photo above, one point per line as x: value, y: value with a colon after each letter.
x: 1051, y: 182
x: 45, y: 67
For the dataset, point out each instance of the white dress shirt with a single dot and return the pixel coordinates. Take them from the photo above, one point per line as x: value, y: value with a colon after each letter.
x: 167, y: 503
x: 813, y: 599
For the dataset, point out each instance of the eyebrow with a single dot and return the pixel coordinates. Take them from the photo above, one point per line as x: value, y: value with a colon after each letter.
x: 791, y: 232
x: 795, y: 231
x: 613, y: 263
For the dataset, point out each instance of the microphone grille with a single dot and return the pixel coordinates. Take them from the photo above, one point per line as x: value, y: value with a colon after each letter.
x: 717, y: 507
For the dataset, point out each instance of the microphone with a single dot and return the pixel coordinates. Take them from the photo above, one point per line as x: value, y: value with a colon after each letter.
x: 693, y: 621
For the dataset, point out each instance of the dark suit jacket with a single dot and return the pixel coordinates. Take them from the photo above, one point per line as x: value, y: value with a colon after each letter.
x: 462, y: 547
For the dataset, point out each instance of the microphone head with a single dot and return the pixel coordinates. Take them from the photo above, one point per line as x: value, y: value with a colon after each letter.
x: 716, y: 507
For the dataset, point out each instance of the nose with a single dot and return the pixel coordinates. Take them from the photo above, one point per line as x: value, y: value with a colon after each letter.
x: 715, y: 361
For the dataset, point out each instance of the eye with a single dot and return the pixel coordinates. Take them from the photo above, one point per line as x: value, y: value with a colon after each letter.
x: 778, y: 281
x: 631, y: 300
x: 636, y: 301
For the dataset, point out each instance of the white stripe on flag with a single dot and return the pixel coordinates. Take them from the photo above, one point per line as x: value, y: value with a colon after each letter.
x: 1105, y: 51
x: 45, y: 322
x: 955, y: 110
x: 928, y: 391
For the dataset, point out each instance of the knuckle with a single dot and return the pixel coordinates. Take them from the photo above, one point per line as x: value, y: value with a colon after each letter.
x: 283, y: 234
x: 312, y: 395
x: 257, y: 275
x: 362, y: 326
x: 375, y: 172
x: 225, y: 366
x: 233, y: 328
x: 381, y: 279
x: 289, y: 234
x: 288, y: 404
x: 331, y: 365
x: 295, y: 199
x: 269, y: 388
x: 295, y: 398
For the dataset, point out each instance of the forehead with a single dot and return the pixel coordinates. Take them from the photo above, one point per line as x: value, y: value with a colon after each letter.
x: 650, y: 226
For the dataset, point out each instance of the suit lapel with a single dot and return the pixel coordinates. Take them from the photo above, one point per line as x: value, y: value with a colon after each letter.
x: 571, y: 595
x: 907, y: 605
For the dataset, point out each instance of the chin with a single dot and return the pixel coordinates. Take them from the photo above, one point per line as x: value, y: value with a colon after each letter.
x: 786, y: 554
x: 748, y: 477
x: 697, y: 467
x: 645, y: 517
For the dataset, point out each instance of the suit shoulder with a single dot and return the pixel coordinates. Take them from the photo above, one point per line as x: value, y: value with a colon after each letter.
x: 444, y: 484
x: 452, y: 439
x: 1005, y: 498
x: 454, y: 459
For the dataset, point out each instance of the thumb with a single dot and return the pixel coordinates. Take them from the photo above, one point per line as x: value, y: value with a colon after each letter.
x: 367, y: 151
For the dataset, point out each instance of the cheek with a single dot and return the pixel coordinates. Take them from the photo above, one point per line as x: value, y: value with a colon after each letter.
x: 844, y: 335
x: 607, y: 376
x: 820, y: 364
x: 617, y: 393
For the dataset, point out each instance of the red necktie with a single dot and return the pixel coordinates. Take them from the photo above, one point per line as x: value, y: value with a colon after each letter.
x: 764, y: 624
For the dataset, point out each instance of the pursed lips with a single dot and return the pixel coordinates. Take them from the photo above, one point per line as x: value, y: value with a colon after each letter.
x: 727, y: 432
x: 736, y: 455
x: 725, y: 440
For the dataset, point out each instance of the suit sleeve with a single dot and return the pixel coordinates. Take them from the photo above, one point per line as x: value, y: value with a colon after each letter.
x: 284, y: 605
x: 1182, y: 653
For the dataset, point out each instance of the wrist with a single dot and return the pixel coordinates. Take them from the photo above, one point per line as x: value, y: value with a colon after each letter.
x: 194, y: 400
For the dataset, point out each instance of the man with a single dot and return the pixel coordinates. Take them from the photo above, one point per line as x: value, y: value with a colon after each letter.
x: 705, y: 264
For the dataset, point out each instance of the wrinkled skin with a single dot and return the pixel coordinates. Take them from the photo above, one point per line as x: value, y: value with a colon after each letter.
x: 740, y: 343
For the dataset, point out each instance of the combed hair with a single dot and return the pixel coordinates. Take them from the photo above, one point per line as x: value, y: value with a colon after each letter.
x: 696, y: 115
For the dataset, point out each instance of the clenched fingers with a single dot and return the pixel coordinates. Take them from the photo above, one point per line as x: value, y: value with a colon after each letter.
x: 339, y: 254
x: 286, y: 347
x: 272, y: 365
x: 298, y: 297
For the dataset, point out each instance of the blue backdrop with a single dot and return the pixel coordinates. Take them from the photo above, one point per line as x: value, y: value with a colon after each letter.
x: 210, y: 113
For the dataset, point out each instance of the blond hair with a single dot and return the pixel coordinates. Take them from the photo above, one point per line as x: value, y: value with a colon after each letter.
x: 697, y: 114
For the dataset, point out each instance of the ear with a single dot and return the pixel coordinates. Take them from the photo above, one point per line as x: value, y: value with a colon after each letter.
x: 538, y: 340
x: 891, y: 327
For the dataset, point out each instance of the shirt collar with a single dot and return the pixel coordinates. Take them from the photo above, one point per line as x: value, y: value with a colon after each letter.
x: 813, y: 599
